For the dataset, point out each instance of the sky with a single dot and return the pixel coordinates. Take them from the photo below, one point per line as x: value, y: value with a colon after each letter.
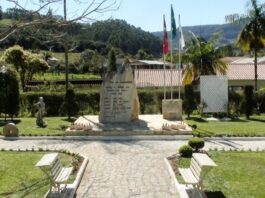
x: 148, y: 14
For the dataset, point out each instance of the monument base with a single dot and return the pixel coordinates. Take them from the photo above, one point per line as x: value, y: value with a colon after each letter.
x: 146, y: 125
x: 172, y: 109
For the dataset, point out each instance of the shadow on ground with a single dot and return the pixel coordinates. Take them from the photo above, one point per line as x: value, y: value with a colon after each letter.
x: 215, y: 194
x: 3, y: 122
x: 24, y: 190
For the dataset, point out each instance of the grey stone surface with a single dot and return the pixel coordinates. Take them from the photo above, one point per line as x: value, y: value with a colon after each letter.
x: 127, y: 168
x: 172, y: 109
x: 214, y: 92
x: 119, y: 100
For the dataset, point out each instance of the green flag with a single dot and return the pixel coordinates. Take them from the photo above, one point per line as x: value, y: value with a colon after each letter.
x: 173, y: 24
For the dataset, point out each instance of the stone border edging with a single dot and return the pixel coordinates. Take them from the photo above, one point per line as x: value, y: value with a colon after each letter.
x: 79, y: 175
x: 130, y: 138
x: 102, y: 138
x: 180, y: 188
x: 236, y: 138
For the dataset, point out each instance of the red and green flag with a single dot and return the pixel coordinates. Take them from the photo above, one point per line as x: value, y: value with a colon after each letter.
x: 173, y: 24
x: 165, y: 41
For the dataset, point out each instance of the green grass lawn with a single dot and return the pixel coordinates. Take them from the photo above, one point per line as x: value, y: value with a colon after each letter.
x: 6, y: 22
x: 20, y: 178
x: 27, y: 126
x: 241, y: 127
x: 238, y: 175
x: 72, y: 56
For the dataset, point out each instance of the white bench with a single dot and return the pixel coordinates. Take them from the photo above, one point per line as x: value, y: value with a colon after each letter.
x: 51, y: 165
x: 200, y: 165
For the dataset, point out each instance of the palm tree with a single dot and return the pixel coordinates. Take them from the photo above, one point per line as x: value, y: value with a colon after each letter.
x: 252, y: 36
x: 202, y: 58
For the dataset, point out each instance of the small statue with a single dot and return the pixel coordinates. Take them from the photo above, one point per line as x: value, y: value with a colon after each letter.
x: 40, y: 114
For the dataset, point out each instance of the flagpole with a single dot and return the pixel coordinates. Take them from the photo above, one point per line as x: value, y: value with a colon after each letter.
x: 164, y: 77
x: 179, y: 57
x: 171, y: 57
x: 164, y: 58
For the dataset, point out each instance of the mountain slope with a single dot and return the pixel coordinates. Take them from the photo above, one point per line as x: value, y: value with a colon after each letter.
x: 228, y: 33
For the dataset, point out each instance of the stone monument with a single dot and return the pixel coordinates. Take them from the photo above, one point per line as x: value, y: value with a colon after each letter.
x: 40, y: 114
x: 172, y: 109
x: 10, y: 130
x: 119, y: 102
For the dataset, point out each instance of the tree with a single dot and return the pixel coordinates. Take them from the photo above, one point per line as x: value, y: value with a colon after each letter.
x: 89, y: 11
x: 252, y: 35
x: 9, y: 91
x: 202, y: 58
x: 69, y: 106
x: 25, y: 63
x: 189, y: 102
x: 112, y: 60
x: 248, y: 101
x: 1, y: 13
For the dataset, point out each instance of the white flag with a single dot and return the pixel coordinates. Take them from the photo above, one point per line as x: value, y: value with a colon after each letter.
x: 181, y: 37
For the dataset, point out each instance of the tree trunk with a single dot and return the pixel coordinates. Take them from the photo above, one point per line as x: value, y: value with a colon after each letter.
x: 256, y: 68
x: 66, y: 51
x: 22, y: 79
x: 66, y: 64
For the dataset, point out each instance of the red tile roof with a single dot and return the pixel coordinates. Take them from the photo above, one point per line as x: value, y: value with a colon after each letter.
x: 155, y: 77
x: 245, y: 72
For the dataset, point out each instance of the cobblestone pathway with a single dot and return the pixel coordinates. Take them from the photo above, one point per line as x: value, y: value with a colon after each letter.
x: 126, y: 168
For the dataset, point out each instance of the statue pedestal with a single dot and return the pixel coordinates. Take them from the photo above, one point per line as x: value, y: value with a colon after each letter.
x: 172, y: 109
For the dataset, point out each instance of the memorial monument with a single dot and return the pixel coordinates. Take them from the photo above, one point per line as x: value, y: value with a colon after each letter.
x: 119, y: 102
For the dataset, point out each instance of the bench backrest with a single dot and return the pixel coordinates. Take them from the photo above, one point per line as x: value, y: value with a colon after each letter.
x: 55, y: 169
x: 196, y: 169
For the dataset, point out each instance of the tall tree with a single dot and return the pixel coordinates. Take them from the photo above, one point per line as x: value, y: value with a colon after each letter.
x: 1, y: 13
x: 25, y: 63
x: 252, y: 36
x: 88, y: 11
x: 202, y: 58
x: 112, y: 60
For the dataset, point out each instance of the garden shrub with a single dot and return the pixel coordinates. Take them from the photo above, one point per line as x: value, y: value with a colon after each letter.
x: 185, y: 151
x: 9, y: 91
x: 248, y: 101
x: 69, y: 106
x: 189, y: 102
x: 196, y: 143
x: 260, y: 98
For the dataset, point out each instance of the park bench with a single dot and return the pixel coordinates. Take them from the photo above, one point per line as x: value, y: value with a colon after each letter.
x: 51, y: 165
x: 199, y: 166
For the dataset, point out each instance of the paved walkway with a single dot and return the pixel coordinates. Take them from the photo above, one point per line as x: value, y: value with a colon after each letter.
x: 127, y: 168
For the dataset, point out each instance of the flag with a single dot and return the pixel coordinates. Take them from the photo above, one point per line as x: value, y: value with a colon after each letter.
x: 181, y: 37
x: 173, y: 24
x: 165, y: 42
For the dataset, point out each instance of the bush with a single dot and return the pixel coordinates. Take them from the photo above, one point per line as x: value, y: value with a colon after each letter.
x: 69, y: 106
x: 196, y: 143
x: 9, y: 91
x: 248, y: 101
x: 185, y: 151
x: 189, y: 102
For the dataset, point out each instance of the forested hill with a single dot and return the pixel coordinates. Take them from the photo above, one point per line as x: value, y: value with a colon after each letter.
x: 100, y: 36
x: 228, y: 33
x: 103, y: 35
x: 120, y: 34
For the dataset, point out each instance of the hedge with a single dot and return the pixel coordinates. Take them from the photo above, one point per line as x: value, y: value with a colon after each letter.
x: 88, y: 102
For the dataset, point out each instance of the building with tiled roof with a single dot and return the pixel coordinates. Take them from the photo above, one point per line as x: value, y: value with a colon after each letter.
x: 240, y: 73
